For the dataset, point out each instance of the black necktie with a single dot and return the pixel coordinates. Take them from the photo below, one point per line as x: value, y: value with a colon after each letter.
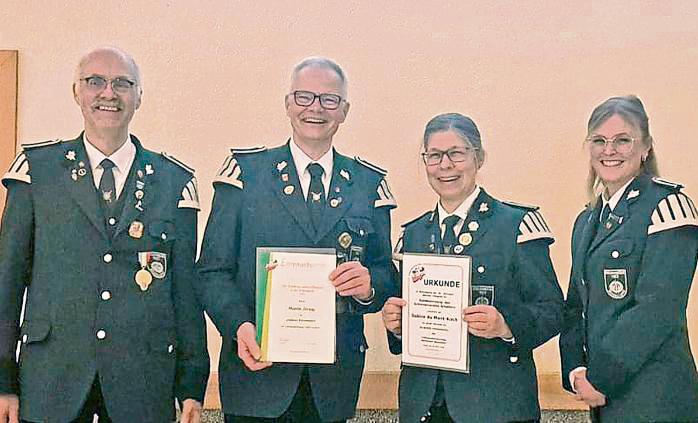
x: 449, y: 237
x: 107, y: 186
x: 316, y: 194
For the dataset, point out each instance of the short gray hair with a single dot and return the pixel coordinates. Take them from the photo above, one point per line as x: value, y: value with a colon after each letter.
x: 127, y: 58
x: 321, y: 62
x: 461, y: 125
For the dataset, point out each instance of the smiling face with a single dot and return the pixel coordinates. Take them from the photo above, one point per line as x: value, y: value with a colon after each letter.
x: 313, y: 125
x: 105, y: 111
x: 615, y: 168
x: 453, y: 182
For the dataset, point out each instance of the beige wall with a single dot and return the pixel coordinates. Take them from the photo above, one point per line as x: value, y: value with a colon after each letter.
x: 529, y: 73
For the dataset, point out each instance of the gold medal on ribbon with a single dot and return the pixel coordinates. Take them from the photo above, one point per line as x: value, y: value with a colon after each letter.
x: 143, y: 279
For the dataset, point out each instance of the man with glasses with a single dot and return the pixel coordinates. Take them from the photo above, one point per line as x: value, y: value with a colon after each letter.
x: 100, y: 235
x: 301, y: 194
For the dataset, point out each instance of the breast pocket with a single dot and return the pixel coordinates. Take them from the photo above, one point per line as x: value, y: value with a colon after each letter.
x: 353, y: 239
x: 618, y: 249
x: 33, y: 336
x: 162, y: 231
x: 486, y: 272
x: 155, y: 254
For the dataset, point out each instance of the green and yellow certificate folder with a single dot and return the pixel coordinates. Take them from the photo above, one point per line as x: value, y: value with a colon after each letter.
x: 295, y: 305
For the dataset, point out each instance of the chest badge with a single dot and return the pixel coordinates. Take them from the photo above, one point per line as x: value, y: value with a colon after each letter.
x: 465, y: 239
x: 135, y: 230
x: 344, y: 240
x: 616, y: 283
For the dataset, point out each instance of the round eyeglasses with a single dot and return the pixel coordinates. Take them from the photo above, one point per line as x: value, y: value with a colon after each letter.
x: 98, y: 83
x: 621, y: 143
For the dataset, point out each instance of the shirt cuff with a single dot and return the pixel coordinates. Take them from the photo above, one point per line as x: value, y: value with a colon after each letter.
x: 367, y: 301
x: 511, y: 340
x: 572, y: 375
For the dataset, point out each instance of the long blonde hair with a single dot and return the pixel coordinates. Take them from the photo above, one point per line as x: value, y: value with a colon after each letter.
x: 632, y: 111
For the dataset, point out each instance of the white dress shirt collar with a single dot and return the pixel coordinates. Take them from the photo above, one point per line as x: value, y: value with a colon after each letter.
x: 122, y: 158
x: 301, y: 161
x: 615, y: 198
x: 462, y: 210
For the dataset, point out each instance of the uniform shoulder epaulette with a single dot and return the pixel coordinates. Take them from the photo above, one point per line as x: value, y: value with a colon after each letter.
x: 673, y: 211
x: 230, y: 172
x: 30, y: 146
x: 370, y: 166
x: 177, y: 162
x: 520, y: 205
x: 19, y: 170
x: 417, y: 219
x: 532, y: 227
x: 190, y: 196
x: 248, y: 150
x: 663, y: 182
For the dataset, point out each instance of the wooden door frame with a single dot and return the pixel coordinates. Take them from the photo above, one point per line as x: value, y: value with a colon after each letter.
x: 8, y: 112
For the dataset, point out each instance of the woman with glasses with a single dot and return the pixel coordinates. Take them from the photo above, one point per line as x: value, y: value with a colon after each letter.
x: 624, y: 344
x: 516, y: 297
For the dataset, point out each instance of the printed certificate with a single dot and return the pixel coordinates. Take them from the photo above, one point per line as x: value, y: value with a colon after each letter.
x: 437, y: 289
x: 295, y: 312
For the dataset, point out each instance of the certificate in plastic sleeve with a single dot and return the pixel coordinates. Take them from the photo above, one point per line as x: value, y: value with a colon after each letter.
x: 295, y: 310
x: 437, y: 289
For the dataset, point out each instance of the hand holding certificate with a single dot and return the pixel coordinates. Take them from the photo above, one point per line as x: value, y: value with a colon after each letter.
x: 296, y: 305
x: 436, y: 290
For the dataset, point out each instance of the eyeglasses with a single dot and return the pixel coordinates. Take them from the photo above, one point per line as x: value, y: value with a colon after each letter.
x: 118, y: 85
x: 306, y: 98
x: 622, y: 143
x: 455, y: 155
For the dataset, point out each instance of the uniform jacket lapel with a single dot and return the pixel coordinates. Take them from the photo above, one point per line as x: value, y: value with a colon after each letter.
x: 588, y: 232
x: 477, y: 222
x: 620, y: 214
x: 429, y: 234
x: 80, y: 183
x: 146, y: 175
x: 340, y: 195
x: 591, y: 226
x: 282, y: 164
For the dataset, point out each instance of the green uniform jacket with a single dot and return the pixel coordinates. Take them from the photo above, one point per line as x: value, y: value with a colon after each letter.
x: 625, y: 314
x: 85, y: 314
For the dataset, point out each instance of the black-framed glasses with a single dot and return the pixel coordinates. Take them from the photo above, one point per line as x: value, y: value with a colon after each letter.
x: 118, y: 85
x: 455, y: 155
x: 327, y: 101
x: 622, y: 143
